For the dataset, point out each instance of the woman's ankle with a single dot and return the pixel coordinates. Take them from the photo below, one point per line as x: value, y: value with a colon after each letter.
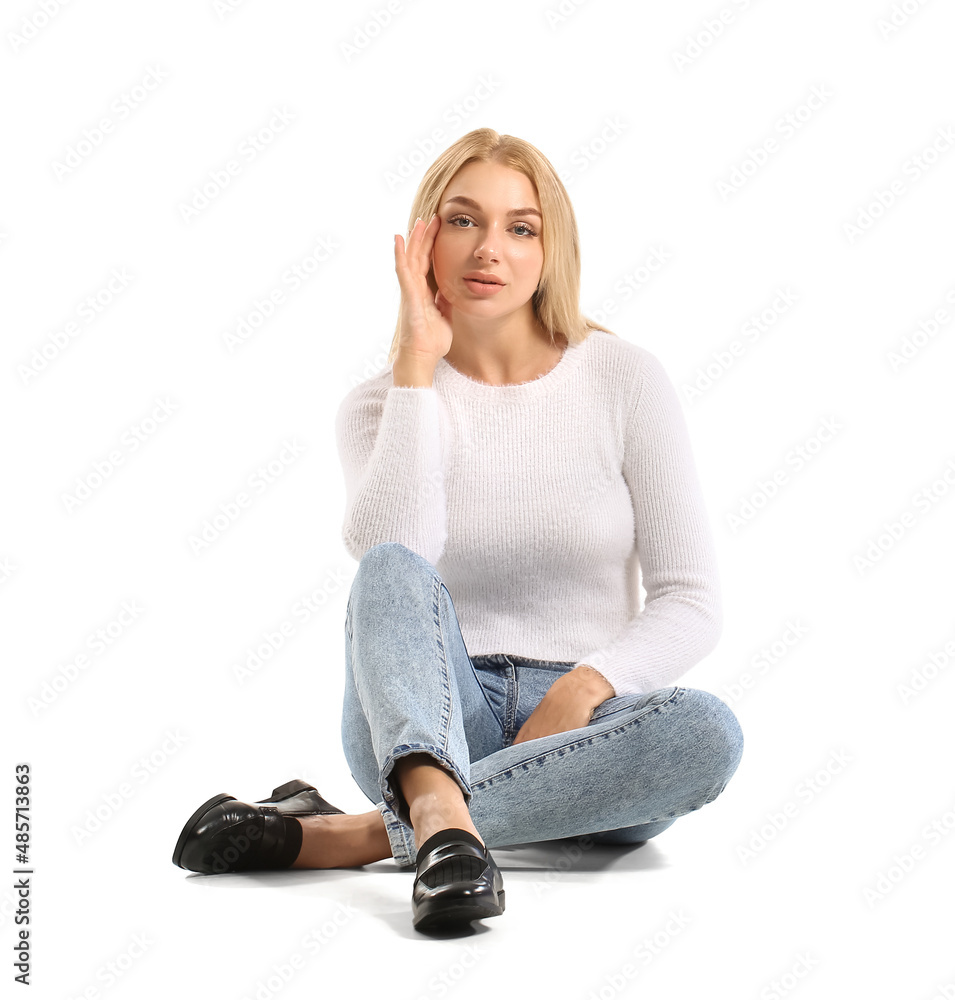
x: 427, y: 822
x: 343, y: 840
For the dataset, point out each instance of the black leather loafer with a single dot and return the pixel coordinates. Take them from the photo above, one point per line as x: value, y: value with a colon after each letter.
x: 456, y: 881
x: 226, y: 835
x: 297, y: 798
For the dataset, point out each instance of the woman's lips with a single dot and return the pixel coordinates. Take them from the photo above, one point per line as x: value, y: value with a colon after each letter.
x: 482, y: 287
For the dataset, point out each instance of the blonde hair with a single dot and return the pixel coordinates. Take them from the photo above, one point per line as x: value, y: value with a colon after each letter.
x: 556, y: 301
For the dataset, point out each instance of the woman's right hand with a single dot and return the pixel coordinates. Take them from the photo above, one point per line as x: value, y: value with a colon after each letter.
x: 425, y: 319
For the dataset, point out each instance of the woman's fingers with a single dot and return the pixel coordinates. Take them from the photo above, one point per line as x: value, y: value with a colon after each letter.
x: 401, y: 255
x: 425, y: 318
x: 413, y: 256
x: 407, y: 249
x: 414, y: 243
x: 405, y: 261
x: 422, y: 237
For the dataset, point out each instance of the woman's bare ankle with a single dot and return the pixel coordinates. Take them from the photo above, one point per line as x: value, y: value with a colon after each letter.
x: 434, y: 797
x: 342, y: 840
x: 430, y: 820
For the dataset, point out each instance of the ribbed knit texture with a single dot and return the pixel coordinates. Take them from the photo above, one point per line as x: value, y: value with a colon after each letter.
x: 540, y: 503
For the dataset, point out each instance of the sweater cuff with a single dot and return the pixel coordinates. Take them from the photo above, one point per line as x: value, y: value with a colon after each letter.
x: 615, y: 675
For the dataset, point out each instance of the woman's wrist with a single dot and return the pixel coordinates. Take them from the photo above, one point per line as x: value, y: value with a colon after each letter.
x: 591, y: 681
x: 413, y: 372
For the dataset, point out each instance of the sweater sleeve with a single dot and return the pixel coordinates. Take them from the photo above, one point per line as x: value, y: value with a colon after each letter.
x: 393, y: 457
x: 682, y: 616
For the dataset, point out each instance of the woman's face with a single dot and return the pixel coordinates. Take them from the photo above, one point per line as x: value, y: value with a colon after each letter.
x: 479, y: 233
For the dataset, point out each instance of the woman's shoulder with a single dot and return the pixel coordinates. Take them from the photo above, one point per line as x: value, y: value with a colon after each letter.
x: 371, y: 382
x: 619, y: 357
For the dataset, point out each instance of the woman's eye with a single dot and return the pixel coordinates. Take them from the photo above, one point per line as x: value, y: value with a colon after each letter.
x: 519, y: 225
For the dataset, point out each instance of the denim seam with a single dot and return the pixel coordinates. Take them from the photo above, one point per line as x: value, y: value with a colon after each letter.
x: 585, y: 741
x: 511, y: 702
x: 481, y: 665
x: 448, y: 706
x: 552, y: 666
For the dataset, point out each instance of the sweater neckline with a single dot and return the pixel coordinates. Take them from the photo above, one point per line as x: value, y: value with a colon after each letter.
x: 448, y: 375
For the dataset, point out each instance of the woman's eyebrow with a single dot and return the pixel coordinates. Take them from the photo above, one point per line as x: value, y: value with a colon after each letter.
x: 471, y: 203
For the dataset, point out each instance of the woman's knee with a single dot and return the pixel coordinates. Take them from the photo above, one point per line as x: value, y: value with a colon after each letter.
x: 385, y: 569
x: 716, y: 733
x: 385, y: 554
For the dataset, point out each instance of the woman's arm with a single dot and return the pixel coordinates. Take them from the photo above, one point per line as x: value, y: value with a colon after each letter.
x: 392, y: 453
x: 390, y: 443
x: 682, y: 616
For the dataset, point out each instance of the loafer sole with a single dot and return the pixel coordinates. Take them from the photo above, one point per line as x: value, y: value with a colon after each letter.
x: 440, y: 913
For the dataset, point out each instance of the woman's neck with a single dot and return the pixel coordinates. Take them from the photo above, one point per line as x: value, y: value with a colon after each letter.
x: 505, y: 357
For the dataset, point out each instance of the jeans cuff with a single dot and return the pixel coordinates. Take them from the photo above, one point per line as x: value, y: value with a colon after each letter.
x: 400, y: 836
x: 403, y: 750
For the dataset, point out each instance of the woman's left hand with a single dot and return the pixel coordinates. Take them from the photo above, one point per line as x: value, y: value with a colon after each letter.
x: 569, y: 703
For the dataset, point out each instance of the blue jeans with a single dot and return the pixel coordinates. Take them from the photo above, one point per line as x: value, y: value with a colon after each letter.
x: 410, y: 687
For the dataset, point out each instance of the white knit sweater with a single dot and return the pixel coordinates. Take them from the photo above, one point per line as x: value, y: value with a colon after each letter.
x: 538, y: 504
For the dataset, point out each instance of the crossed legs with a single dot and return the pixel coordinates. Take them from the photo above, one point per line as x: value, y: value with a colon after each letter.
x: 435, y: 802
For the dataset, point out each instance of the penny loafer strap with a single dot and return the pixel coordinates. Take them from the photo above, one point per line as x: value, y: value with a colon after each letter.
x: 446, y: 844
x: 281, y: 839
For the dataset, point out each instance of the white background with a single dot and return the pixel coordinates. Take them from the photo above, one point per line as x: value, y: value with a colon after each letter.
x: 843, y: 773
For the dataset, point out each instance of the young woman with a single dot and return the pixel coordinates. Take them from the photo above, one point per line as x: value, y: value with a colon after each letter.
x: 526, y: 462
